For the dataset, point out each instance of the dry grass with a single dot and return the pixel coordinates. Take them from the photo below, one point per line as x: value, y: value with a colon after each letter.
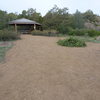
x: 4, y: 46
x: 36, y: 68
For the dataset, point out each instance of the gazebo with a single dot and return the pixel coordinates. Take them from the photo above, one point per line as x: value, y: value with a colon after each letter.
x: 25, y: 25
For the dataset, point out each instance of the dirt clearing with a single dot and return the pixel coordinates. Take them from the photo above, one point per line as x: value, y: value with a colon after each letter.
x: 36, y: 68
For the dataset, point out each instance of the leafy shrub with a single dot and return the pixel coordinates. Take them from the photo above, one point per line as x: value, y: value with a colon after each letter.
x: 63, y: 29
x: 44, y: 33
x: 6, y: 35
x: 78, y: 32
x: 84, y: 32
x: 93, y: 33
x: 72, y: 42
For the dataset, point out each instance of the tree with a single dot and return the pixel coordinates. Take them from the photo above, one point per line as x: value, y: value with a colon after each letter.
x: 78, y: 20
x: 31, y: 11
x: 55, y: 17
x: 66, y: 25
x: 31, y: 14
x: 3, y: 19
x: 11, y: 16
x: 90, y: 16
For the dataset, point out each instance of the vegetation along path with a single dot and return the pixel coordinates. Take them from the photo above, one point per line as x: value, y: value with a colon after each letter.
x: 36, y: 68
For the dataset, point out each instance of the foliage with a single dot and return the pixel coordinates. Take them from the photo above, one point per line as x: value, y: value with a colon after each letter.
x: 3, y: 50
x: 2, y: 53
x: 31, y: 14
x: 90, y: 16
x: 3, y: 19
x: 64, y: 29
x: 11, y: 16
x: 78, y: 32
x: 93, y: 33
x: 44, y: 32
x: 78, y: 20
x: 72, y: 42
x: 56, y: 18
x: 84, y: 32
x: 6, y: 35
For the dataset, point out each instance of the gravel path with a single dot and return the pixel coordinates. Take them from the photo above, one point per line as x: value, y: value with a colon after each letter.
x: 36, y: 68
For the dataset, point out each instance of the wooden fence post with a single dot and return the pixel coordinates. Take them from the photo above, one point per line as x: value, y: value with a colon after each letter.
x: 16, y: 28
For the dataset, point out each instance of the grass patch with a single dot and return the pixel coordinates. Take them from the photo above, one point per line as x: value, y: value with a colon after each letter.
x: 7, y: 35
x: 4, y: 49
x: 88, y: 39
x: 94, y: 41
x: 72, y: 42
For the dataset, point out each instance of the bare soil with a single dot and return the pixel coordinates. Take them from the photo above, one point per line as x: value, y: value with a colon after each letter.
x: 36, y: 68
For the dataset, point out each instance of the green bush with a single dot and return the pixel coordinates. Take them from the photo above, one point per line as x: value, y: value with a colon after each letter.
x: 72, y: 42
x: 44, y: 32
x: 78, y: 32
x: 93, y: 33
x: 64, y: 29
x: 6, y: 35
x: 84, y: 32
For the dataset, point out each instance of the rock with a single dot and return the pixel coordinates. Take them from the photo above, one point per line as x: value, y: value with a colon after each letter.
x: 98, y: 38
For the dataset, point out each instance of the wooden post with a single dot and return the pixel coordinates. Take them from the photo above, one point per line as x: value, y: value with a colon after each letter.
x: 16, y: 28
x: 34, y: 27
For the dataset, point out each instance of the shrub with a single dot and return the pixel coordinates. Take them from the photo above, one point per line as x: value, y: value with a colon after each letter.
x: 44, y: 33
x: 64, y: 29
x: 72, y: 42
x: 78, y: 32
x: 6, y: 35
x: 84, y: 32
x: 93, y: 33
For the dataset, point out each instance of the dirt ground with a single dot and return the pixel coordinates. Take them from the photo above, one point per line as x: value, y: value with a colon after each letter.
x: 36, y: 68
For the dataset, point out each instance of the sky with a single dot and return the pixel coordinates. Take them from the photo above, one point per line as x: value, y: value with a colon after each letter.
x: 43, y: 6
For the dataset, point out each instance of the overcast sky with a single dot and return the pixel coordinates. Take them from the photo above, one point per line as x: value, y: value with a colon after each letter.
x: 43, y: 6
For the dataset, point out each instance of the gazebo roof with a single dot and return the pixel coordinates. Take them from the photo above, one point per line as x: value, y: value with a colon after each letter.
x: 23, y: 21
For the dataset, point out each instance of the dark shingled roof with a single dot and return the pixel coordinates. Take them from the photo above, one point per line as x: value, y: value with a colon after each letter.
x: 23, y: 21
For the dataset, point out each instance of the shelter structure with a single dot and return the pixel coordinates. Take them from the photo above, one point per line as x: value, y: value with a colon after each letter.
x: 25, y: 25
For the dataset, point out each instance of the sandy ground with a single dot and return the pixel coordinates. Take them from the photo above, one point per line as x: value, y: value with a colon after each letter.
x: 36, y: 68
